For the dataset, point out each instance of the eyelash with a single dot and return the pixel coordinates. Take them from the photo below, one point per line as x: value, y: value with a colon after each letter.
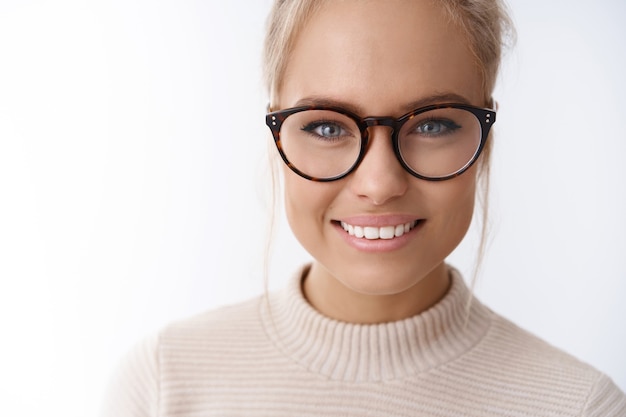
x: 448, y: 128
x: 310, y: 127
x: 449, y: 125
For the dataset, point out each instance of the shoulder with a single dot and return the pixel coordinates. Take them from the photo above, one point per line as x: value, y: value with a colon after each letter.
x: 521, y: 361
x: 518, y: 346
x: 133, y: 389
x: 213, y: 337
x: 605, y: 399
x: 219, y: 322
x: 182, y: 349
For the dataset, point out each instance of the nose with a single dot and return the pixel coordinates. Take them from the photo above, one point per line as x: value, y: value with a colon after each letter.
x: 379, y: 178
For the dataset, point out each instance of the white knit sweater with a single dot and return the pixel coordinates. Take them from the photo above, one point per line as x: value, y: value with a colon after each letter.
x: 282, y: 358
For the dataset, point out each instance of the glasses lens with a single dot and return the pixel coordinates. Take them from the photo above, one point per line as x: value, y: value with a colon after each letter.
x: 440, y: 142
x: 320, y: 143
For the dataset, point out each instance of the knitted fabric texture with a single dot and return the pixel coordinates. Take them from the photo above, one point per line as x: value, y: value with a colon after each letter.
x: 280, y: 357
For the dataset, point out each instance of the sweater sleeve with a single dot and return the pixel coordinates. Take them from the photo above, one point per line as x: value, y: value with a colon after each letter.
x: 605, y: 400
x: 134, y: 388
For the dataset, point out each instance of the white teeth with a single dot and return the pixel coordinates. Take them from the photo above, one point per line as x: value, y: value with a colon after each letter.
x: 387, y: 232
x: 372, y: 233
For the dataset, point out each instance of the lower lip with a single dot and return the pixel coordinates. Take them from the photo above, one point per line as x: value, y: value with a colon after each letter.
x: 378, y: 245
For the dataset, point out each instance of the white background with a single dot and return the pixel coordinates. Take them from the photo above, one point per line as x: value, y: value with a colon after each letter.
x: 132, y: 183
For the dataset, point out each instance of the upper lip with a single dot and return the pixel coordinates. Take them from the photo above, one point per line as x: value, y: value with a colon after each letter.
x: 378, y: 220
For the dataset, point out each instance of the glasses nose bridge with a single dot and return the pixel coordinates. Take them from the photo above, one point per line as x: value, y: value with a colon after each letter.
x: 389, y: 122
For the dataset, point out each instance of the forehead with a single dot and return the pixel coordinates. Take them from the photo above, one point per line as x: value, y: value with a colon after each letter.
x: 379, y: 56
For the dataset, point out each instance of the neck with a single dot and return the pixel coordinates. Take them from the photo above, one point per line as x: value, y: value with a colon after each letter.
x: 332, y: 298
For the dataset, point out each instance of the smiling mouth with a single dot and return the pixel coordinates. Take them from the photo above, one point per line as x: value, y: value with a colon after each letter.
x: 373, y: 233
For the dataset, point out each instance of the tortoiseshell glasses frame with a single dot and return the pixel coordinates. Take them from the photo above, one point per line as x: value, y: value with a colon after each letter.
x: 485, y: 116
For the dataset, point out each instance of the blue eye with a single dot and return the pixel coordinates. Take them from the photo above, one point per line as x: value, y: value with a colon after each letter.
x: 328, y: 130
x: 436, y: 127
x: 324, y: 129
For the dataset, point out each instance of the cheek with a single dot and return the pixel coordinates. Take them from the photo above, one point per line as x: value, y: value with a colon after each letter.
x: 454, y: 202
x: 292, y: 198
x: 306, y: 204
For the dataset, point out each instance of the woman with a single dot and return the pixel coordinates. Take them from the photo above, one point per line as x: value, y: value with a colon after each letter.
x: 381, y: 112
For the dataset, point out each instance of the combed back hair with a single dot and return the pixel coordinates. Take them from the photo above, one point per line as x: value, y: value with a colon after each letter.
x: 485, y: 25
x: 285, y: 20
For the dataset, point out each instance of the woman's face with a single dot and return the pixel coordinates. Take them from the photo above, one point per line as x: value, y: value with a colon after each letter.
x: 380, y: 59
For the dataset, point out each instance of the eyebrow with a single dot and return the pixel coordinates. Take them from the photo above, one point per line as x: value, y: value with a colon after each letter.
x: 438, y: 98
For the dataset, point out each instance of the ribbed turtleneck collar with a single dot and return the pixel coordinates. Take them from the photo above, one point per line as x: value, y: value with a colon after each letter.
x: 374, y: 352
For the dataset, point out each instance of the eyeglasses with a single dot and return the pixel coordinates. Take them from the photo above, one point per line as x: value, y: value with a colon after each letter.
x: 435, y: 143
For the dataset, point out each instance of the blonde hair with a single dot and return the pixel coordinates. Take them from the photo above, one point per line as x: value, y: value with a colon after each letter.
x: 484, y: 23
